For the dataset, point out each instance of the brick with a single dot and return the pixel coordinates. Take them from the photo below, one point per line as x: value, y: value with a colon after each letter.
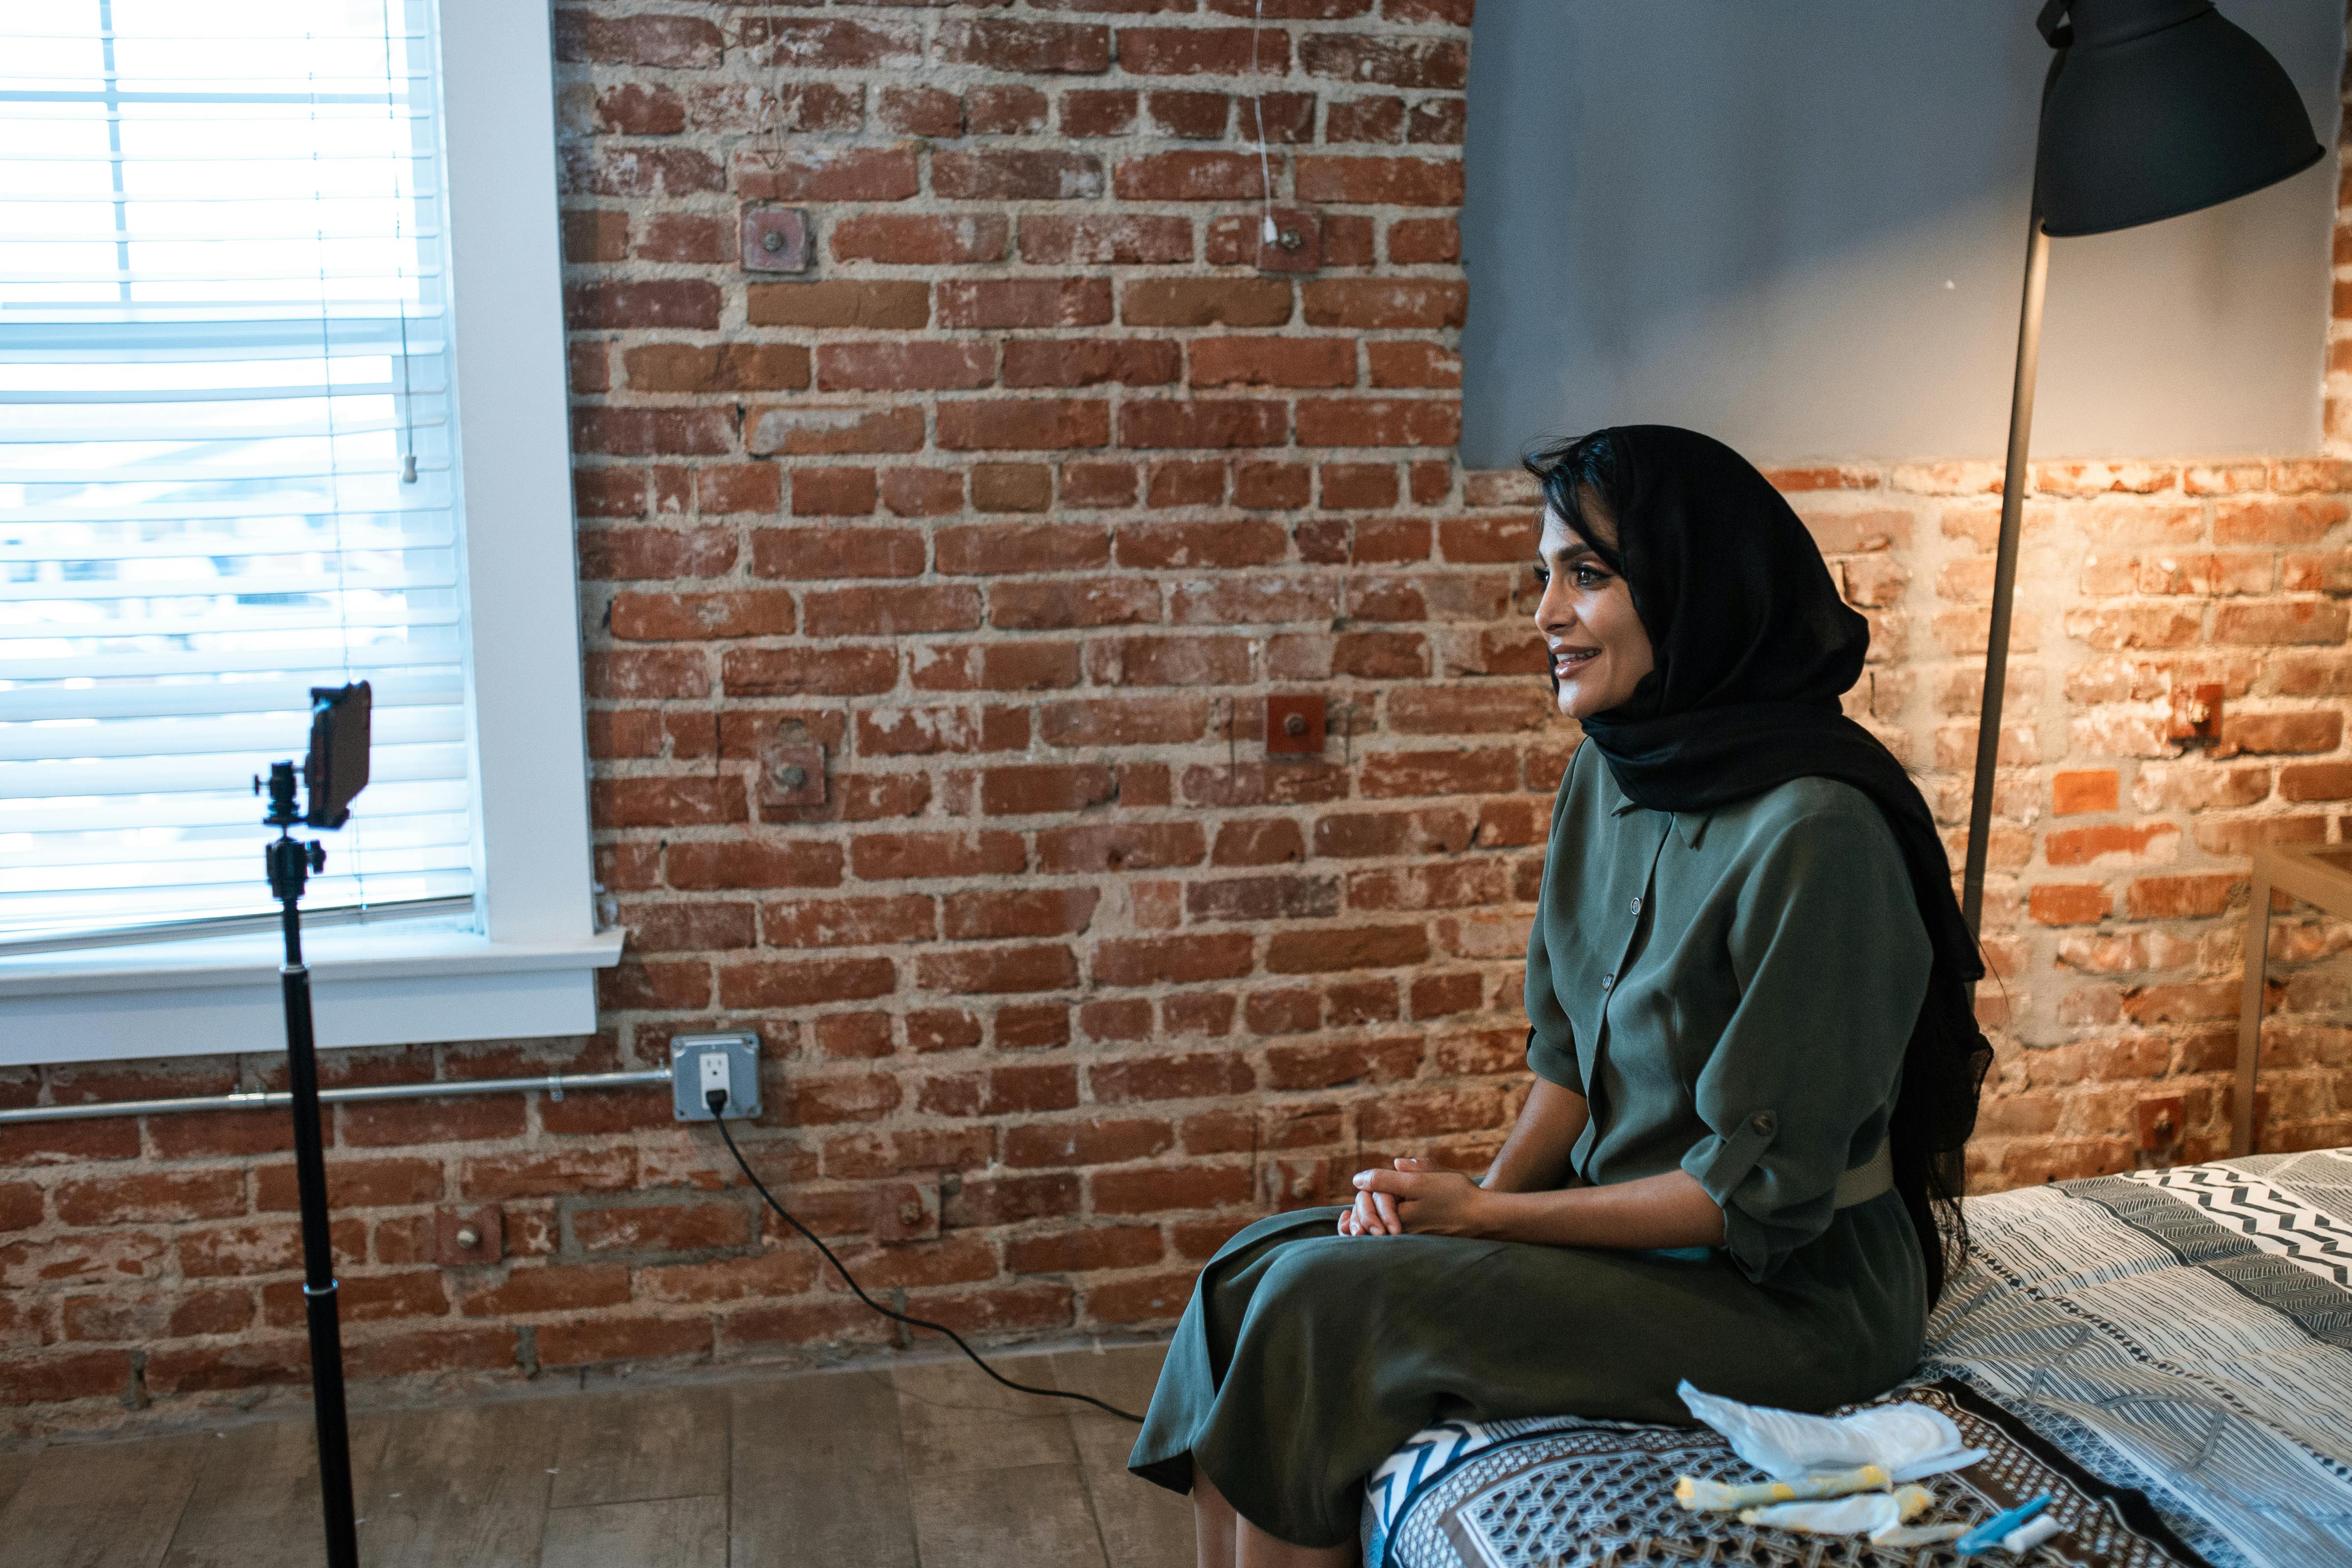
x: 785, y: 672
x: 1379, y: 422
x: 1174, y: 422
x: 630, y: 1336
x: 999, y: 1091
x: 720, y: 367
x: 1195, y: 115
x: 832, y: 431
x: 996, y: 971
x: 2070, y: 903
x: 907, y: 240
x: 1099, y: 1141
x: 904, y: 367
x: 919, y: 112
x: 1365, y: 120
x: 1190, y: 177
x: 895, y: 856
x: 1208, y: 301
x: 1024, y: 425
x: 2082, y: 790
x: 657, y: 617
x: 1204, y: 51
x: 1381, y: 182
x: 922, y: 492
x: 874, y: 306
x: 2316, y: 781
x: 2319, y: 731
x: 805, y: 552
x: 148, y: 1197
x: 783, y: 983
x: 1065, y: 362
x: 1120, y: 846
x: 1154, y: 1190
x: 1177, y: 960
x: 1043, y: 912
x: 673, y: 303
x: 1424, y: 241
x: 1381, y: 302
x: 1124, y: 240
x: 2092, y: 846
x: 1099, y: 113
x: 849, y: 922
x: 1080, y: 602
x: 812, y: 1102
x: 1179, y: 483
x: 2283, y: 622
x: 891, y: 610
x: 1411, y: 62
x: 995, y: 666
x: 706, y: 866
x: 2302, y: 522
x: 1027, y: 175
x: 1014, y: 487
x: 1026, y: 48
x: 624, y: 555
x: 1005, y: 110
x: 1083, y: 1251
x: 1268, y: 360
x: 2169, y: 898
x: 827, y: 173
x: 1046, y: 787
x: 353, y: 1183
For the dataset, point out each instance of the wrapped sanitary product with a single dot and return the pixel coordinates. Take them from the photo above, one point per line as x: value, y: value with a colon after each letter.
x: 1907, y: 1441
x: 1865, y: 1513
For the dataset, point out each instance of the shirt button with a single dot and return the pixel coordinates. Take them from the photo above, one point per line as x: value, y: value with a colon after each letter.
x: 1761, y: 1122
x: 1607, y: 981
x: 1637, y: 904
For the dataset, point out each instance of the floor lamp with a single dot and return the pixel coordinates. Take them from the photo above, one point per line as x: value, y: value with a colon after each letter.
x: 2152, y: 109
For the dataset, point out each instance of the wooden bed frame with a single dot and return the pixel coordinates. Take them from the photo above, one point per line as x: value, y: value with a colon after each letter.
x: 2321, y: 876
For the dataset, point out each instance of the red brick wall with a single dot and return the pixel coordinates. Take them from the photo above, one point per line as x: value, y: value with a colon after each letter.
x: 1019, y: 503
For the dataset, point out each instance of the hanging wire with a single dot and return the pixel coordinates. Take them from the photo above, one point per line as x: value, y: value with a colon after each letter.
x: 1266, y: 233
x: 399, y: 267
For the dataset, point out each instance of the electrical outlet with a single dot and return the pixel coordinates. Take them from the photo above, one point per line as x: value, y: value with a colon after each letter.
x: 699, y: 1063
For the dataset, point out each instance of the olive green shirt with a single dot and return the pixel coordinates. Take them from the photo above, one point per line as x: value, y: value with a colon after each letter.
x: 1732, y: 991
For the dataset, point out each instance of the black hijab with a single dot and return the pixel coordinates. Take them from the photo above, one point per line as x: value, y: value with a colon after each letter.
x: 1753, y: 648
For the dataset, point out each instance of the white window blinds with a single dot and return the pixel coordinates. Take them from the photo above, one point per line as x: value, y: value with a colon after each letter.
x: 225, y: 461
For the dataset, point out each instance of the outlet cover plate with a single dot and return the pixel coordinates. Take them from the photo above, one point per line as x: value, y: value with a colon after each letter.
x: 686, y: 1053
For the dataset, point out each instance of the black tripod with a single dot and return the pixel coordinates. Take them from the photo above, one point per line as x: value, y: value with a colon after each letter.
x: 291, y: 860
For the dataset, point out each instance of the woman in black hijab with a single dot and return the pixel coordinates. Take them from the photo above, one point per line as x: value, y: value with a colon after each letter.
x: 1755, y: 1057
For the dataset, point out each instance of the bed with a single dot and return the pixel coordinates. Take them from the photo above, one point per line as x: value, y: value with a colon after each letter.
x: 2167, y: 1353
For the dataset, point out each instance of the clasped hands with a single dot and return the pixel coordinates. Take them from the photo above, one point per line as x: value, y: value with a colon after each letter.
x: 1417, y: 1196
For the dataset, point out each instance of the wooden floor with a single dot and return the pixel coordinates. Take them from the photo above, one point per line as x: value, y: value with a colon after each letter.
x: 928, y: 1466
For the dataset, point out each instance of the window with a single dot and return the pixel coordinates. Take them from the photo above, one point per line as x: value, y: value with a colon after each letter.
x: 225, y: 471
x: 235, y: 408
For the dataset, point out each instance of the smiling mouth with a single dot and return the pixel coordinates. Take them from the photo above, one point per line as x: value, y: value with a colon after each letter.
x: 1567, y: 661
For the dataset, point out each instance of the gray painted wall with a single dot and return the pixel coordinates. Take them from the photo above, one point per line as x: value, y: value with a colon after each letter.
x: 1801, y: 227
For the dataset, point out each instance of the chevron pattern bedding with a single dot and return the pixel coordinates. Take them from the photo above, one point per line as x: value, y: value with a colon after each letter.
x: 2182, y: 1334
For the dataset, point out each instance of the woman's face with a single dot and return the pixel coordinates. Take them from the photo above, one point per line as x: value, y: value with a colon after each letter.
x: 1598, y: 650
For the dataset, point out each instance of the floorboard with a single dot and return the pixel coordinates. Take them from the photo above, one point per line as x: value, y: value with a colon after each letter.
x: 464, y: 1488
x: 1027, y: 1516
x: 929, y: 1466
x: 819, y: 1475
x: 1143, y: 1526
x: 956, y: 1418
x: 101, y: 1505
x: 14, y: 1468
x: 650, y: 1532
x: 256, y: 1500
x: 631, y: 1447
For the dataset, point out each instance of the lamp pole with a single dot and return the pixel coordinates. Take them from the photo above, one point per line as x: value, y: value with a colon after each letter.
x: 2004, y: 569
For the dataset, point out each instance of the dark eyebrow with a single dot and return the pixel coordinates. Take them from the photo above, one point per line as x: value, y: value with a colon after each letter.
x: 1575, y: 552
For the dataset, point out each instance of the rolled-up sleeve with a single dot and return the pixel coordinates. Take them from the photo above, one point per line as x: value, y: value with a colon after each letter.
x: 1832, y: 961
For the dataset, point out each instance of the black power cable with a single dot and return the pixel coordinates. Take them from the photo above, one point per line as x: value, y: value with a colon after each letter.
x: 717, y: 1100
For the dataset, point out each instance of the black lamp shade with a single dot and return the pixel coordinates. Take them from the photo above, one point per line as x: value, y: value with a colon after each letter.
x: 2157, y: 108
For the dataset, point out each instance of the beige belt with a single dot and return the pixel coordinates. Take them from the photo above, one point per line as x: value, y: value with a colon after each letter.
x: 1865, y: 1181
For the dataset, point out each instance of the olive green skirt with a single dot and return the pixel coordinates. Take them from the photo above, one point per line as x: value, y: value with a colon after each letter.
x: 1305, y: 1358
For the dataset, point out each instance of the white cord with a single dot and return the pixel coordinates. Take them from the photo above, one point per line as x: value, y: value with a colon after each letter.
x: 1264, y: 164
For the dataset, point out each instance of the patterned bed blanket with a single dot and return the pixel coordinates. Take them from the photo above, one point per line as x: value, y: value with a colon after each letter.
x: 2172, y: 1350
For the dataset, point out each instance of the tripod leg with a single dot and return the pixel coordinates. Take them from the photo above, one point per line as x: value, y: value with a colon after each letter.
x: 317, y: 1262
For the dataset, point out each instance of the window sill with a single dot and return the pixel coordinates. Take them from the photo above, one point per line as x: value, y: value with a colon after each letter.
x: 412, y: 983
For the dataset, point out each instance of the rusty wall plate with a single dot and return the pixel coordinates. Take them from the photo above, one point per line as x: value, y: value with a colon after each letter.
x: 775, y: 239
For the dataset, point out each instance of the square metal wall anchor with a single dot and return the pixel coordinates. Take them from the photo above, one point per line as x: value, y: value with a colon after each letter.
x: 791, y: 776
x: 1293, y: 725
x: 775, y: 239
x: 739, y: 1052
x: 1296, y: 245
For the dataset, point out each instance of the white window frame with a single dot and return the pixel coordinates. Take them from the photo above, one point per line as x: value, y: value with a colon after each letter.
x: 523, y: 964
